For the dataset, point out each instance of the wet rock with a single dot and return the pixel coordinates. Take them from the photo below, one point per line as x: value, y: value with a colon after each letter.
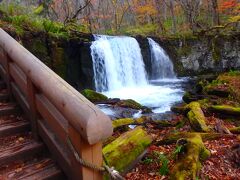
x: 93, y: 96
x: 129, y: 103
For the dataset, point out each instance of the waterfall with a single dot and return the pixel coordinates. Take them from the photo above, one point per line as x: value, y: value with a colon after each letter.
x: 162, y: 66
x: 117, y: 63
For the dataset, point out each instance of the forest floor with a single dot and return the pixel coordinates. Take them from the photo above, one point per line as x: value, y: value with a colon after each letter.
x: 219, y: 100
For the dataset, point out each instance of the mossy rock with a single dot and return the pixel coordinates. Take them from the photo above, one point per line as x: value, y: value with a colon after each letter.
x: 189, y: 163
x: 180, y: 109
x: 226, y: 110
x: 122, y: 122
x: 93, y: 96
x: 235, y: 130
x: 174, y: 137
x: 189, y: 97
x: 129, y: 103
x: 125, y: 149
x: 126, y: 121
x: 196, y: 118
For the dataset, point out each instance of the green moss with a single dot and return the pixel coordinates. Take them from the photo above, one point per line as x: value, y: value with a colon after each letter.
x: 225, y: 109
x: 59, y: 60
x: 93, y: 96
x: 187, y: 97
x: 125, y: 149
x: 184, y: 51
x: 129, y: 103
x: 189, y: 164
x: 174, y: 137
x: 197, y: 118
x: 216, y: 51
x: 235, y: 130
x: 121, y: 122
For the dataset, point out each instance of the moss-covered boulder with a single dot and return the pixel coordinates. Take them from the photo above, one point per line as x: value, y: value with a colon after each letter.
x: 189, y: 163
x: 93, y: 96
x: 125, y: 149
x: 226, y: 110
x: 196, y: 118
x: 129, y: 103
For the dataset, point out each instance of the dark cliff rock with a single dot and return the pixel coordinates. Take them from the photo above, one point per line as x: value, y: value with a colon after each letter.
x: 69, y: 58
x: 204, y: 55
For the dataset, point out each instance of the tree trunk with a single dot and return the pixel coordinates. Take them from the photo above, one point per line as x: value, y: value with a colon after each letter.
x: 174, y: 23
x: 121, y: 153
x: 215, y: 14
x: 189, y: 163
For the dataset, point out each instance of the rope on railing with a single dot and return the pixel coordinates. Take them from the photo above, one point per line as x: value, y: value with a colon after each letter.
x: 111, y: 171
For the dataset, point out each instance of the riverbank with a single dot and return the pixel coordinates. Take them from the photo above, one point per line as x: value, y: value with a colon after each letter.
x: 201, y: 140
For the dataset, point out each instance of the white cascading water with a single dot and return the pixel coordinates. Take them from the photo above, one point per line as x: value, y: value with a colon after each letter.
x: 119, y: 72
x: 117, y: 63
x: 162, y: 66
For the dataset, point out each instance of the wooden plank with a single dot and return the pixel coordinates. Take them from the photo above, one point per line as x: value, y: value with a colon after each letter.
x: 54, y: 119
x: 4, y: 97
x: 8, y: 78
x: 20, y: 151
x: 31, y: 91
x: 89, y: 153
x: 59, y: 153
x: 14, y: 128
x: 19, y: 77
x: 42, y: 169
x: 2, y: 85
x: 1, y: 54
x: 4, y: 60
x: 3, y: 73
x: 90, y: 122
x: 8, y: 110
x: 20, y: 98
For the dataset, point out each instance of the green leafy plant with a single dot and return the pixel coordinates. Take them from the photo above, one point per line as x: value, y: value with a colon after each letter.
x: 233, y: 73
x: 164, y: 170
x: 148, y: 160
x: 178, y: 149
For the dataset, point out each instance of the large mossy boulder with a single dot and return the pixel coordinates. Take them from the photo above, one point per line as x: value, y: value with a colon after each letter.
x: 125, y: 149
x: 94, y: 96
x: 196, y: 117
x: 189, y: 163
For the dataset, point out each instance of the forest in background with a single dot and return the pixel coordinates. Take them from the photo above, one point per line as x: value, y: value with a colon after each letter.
x: 130, y: 17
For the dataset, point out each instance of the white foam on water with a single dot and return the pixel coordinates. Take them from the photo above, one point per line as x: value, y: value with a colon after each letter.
x: 119, y: 72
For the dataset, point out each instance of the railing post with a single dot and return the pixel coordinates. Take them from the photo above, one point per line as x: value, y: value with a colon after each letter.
x: 89, y: 153
x: 8, y: 78
x: 31, y: 91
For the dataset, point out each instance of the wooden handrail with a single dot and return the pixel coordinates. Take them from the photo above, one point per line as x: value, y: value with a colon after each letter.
x: 88, y: 120
x: 57, y: 111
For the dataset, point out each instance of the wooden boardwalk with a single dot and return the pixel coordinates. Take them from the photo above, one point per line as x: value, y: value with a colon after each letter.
x: 46, y: 128
x: 21, y: 156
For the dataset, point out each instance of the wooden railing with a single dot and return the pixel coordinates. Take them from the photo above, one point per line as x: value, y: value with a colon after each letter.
x: 58, y: 113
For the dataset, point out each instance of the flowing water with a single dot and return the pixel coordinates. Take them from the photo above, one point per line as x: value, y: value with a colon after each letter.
x: 162, y: 66
x: 117, y: 63
x: 119, y: 72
